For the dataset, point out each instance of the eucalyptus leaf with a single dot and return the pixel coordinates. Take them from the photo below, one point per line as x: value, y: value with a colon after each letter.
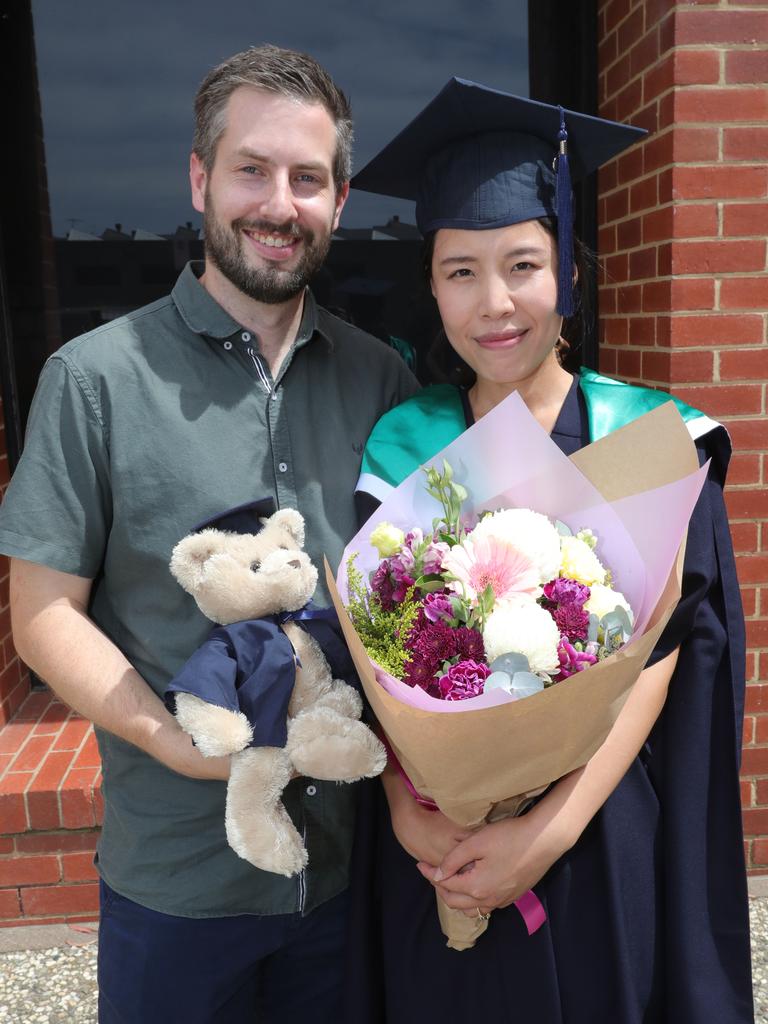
x: 592, y: 628
x: 510, y: 663
x: 563, y: 529
x: 498, y: 681
x: 524, y: 684
x: 618, y: 617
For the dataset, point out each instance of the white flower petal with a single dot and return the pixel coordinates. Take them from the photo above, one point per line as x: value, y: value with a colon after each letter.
x: 525, y: 628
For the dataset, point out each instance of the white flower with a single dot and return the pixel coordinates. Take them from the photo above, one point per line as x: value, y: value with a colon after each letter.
x: 522, y: 627
x: 387, y: 539
x: 529, y: 532
x: 579, y: 562
x: 603, y: 600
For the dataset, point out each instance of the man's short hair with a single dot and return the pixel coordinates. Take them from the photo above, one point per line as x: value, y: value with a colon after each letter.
x: 284, y: 72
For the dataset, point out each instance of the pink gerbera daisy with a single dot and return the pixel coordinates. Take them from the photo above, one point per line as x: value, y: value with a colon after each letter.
x: 488, y: 560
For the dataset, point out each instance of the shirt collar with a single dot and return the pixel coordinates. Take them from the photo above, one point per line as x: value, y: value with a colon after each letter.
x: 198, y: 309
x: 203, y: 315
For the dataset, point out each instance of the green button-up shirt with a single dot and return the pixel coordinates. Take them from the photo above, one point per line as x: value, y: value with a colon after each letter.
x: 140, y: 430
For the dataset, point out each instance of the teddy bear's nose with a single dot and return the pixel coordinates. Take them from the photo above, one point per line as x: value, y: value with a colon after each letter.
x: 295, y: 563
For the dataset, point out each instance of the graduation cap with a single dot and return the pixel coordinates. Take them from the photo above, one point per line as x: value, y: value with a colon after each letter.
x: 476, y: 158
x: 242, y: 519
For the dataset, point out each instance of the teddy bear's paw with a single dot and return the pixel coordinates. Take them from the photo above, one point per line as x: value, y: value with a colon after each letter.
x: 258, y: 826
x: 268, y: 841
x: 325, y: 745
x: 343, y: 699
x: 216, y: 731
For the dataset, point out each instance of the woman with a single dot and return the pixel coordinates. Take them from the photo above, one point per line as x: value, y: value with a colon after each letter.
x: 637, y: 856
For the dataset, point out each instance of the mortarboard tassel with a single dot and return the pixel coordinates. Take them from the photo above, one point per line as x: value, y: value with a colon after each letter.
x: 564, y: 212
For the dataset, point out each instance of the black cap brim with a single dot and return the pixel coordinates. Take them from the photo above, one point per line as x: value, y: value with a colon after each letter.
x: 242, y: 519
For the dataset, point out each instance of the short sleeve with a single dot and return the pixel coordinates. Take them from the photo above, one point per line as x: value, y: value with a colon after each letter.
x: 58, y: 510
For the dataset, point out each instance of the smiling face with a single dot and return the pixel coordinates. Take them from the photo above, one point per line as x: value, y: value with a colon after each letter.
x: 497, y: 292
x: 269, y: 201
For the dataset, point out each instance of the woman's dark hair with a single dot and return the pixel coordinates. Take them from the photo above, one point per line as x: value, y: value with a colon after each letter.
x: 447, y: 366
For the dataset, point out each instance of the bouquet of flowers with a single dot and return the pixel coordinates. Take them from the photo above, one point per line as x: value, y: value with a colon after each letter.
x: 483, y: 601
x: 513, y: 603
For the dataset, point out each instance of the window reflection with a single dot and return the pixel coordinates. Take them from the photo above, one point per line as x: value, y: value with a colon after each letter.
x: 117, y: 85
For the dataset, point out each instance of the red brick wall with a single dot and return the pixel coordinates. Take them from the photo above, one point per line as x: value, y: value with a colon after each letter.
x: 50, y: 809
x: 683, y: 223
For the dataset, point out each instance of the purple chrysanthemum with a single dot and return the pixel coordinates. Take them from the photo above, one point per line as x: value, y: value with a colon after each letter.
x: 572, y: 620
x: 420, y: 673
x: 432, y: 642
x: 469, y: 643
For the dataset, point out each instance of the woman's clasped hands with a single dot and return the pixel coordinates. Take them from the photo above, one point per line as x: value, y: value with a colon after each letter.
x: 495, y: 865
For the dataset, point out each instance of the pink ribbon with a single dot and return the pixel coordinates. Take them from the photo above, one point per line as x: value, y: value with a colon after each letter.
x: 532, y: 911
x: 529, y: 906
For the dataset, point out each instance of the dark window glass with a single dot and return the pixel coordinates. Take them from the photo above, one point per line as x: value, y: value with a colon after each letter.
x: 116, y: 87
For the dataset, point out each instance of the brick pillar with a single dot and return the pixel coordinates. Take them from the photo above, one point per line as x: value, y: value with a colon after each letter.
x: 683, y: 219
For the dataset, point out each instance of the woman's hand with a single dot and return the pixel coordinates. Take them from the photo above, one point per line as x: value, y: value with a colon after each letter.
x: 426, y: 835
x: 494, y: 867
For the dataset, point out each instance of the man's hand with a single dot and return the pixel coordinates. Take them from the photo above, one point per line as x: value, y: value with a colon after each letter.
x: 54, y: 635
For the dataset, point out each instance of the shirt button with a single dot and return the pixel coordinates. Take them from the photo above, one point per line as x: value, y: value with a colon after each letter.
x: 246, y: 336
x: 283, y: 467
x: 227, y: 345
x: 311, y: 790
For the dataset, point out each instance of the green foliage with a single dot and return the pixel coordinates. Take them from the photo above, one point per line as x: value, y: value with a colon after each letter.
x: 451, y: 495
x: 383, y: 633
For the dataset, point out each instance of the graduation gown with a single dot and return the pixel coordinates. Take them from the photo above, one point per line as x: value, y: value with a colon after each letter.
x: 647, y: 915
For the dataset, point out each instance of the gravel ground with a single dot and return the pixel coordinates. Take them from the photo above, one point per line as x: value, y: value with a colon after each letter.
x: 58, y: 985
x: 50, y: 986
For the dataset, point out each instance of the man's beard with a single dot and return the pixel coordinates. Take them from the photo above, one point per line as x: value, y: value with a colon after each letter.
x: 270, y: 284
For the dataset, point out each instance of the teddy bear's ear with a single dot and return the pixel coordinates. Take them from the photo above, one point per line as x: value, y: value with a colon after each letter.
x: 190, y: 555
x: 291, y: 521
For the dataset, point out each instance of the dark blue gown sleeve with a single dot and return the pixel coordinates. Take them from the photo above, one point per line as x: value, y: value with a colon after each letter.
x: 692, y: 758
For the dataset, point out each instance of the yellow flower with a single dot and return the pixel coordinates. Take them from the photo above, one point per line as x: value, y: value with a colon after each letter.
x: 387, y: 539
x: 579, y: 562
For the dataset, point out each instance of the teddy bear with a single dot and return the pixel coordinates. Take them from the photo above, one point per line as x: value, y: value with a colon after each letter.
x: 260, y: 688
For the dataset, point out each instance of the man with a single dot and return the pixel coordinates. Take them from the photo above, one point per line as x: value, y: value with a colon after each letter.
x: 234, y: 387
